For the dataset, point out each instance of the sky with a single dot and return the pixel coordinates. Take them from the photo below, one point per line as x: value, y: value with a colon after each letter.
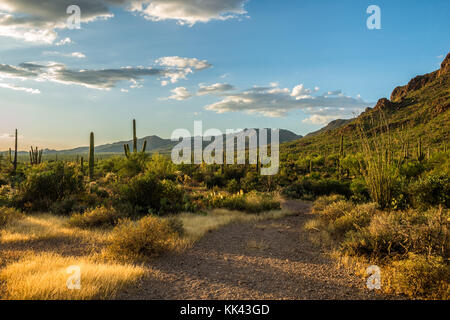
x: 233, y: 64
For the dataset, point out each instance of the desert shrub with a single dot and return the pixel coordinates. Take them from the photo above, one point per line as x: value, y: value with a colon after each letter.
x: 146, y: 193
x: 8, y: 215
x: 325, y: 201
x: 432, y: 190
x: 161, y: 167
x: 149, y: 237
x: 214, y: 180
x: 233, y: 186
x: 360, y: 192
x: 412, y: 169
x: 336, y: 210
x: 141, y: 192
x: 310, y: 189
x: 132, y: 166
x: 64, y: 206
x: 250, y: 182
x: 176, y: 225
x: 172, y: 196
x: 46, y: 184
x: 250, y: 203
x: 355, y: 219
x: 398, y: 233
x: 95, y: 218
x: 421, y: 276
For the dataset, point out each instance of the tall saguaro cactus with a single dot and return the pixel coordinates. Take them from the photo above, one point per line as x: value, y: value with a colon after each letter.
x: 134, y: 136
x: 14, y: 162
x: 91, y: 156
x: 126, y: 147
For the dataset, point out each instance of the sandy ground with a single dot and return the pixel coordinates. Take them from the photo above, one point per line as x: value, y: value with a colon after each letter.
x: 271, y: 259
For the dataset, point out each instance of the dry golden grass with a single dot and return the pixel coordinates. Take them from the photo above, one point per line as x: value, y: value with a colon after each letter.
x: 44, y: 276
x: 197, y: 225
x: 46, y: 227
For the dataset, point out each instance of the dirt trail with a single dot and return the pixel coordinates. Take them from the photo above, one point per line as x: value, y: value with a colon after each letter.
x: 266, y: 260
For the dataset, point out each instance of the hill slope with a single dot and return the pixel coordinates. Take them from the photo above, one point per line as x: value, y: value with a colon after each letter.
x: 417, y: 110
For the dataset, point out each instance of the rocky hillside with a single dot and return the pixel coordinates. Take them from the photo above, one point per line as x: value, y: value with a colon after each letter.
x: 417, y: 110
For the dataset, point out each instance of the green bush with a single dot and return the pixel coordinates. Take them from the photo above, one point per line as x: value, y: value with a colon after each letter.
x: 336, y: 210
x: 308, y: 188
x: 8, y: 215
x: 99, y: 217
x: 147, y: 238
x: 161, y: 167
x: 46, y: 184
x: 233, y: 186
x: 360, y: 192
x: 145, y: 193
x: 250, y: 203
x: 176, y: 225
x: 422, y: 276
x: 432, y: 190
x: 398, y: 233
x: 322, y: 202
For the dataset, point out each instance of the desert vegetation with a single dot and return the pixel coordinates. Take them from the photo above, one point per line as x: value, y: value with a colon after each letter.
x: 380, y: 184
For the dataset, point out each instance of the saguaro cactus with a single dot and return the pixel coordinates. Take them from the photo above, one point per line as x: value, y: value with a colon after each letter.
x: 91, y: 156
x: 126, y: 147
x: 134, y: 136
x: 82, y: 164
x: 420, y: 154
x: 35, y: 155
x: 14, y: 162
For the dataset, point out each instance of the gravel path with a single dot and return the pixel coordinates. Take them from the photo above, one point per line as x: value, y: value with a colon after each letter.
x: 270, y: 259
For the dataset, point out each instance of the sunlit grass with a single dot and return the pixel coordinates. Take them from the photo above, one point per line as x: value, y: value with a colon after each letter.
x: 44, y: 276
x: 46, y: 227
x: 197, y: 225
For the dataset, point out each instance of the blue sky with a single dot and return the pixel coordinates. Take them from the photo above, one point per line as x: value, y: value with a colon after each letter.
x: 282, y: 64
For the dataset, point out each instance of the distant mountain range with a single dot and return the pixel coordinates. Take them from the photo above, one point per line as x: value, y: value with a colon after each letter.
x: 154, y: 144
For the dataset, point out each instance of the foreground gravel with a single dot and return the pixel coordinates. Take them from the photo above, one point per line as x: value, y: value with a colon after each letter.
x: 271, y: 259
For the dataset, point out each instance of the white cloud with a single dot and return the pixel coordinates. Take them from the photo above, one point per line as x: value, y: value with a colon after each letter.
x: 38, y: 21
x: 190, y: 12
x: 103, y: 79
x: 183, y: 63
x: 64, y: 41
x: 214, y: 88
x: 180, y: 93
x: 319, y: 119
x: 18, y: 88
x: 278, y: 102
x: 77, y: 55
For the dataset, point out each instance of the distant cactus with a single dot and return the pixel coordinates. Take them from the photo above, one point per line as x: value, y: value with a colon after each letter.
x: 82, y: 164
x: 91, y: 157
x: 134, y: 136
x: 341, y: 147
x: 14, y: 162
x: 420, y: 154
x: 126, y: 147
x: 35, y: 156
